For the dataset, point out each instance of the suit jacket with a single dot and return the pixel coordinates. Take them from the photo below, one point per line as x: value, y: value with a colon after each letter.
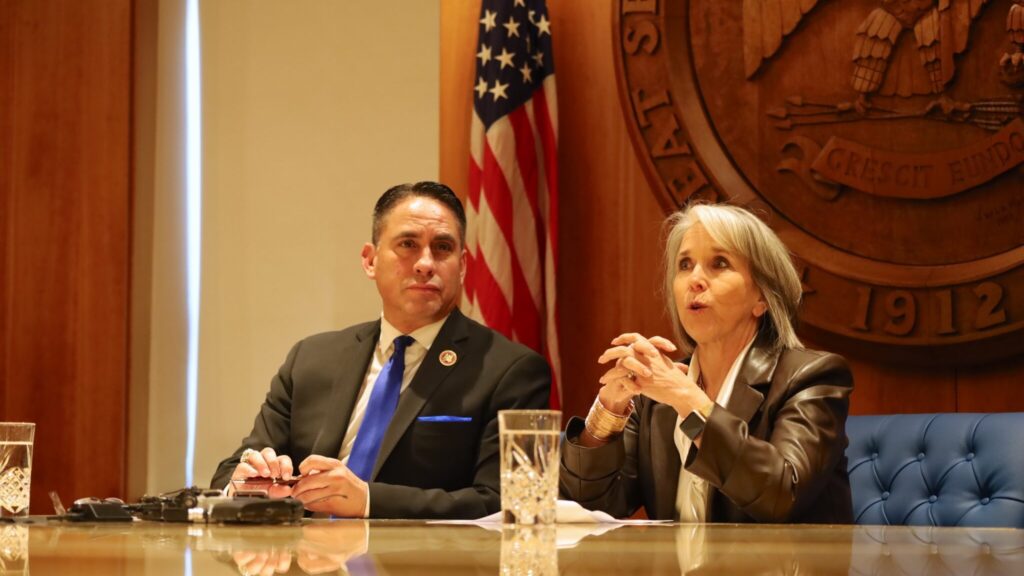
x: 775, y: 453
x: 425, y: 469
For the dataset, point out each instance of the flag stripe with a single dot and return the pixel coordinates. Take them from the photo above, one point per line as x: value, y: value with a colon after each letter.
x: 491, y: 246
x: 522, y: 224
x: 526, y: 161
x: 491, y: 303
x: 523, y: 254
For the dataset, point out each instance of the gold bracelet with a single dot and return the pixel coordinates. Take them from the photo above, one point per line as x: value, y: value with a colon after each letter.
x: 602, y: 423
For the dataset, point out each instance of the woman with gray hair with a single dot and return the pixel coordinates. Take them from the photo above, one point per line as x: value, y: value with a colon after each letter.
x: 751, y: 428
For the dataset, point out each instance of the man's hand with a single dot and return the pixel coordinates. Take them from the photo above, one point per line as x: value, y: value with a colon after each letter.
x: 324, y: 547
x: 329, y: 486
x: 328, y: 546
x: 267, y: 562
x: 264, y: 464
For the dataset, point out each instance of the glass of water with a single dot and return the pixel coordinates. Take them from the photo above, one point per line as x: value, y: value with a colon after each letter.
x: 15, y: 467
x: 529, y: 550
x: 529, y: 465
x: 13, y: 549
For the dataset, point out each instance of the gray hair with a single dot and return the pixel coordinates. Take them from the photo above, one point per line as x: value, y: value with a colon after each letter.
x: 743, y: 234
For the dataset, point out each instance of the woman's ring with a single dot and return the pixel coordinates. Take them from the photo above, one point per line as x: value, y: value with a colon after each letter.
x: 246, y: 454
x: 631, y: 375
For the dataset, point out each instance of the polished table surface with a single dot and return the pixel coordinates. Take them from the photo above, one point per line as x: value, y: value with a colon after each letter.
x: 400, y: 547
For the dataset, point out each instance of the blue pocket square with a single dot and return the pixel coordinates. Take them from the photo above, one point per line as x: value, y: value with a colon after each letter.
x: 444, y: 419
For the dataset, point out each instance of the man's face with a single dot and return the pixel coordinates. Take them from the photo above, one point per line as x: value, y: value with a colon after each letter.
x: 418, y: 263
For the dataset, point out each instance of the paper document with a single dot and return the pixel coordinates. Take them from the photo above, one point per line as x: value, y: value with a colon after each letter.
x: 574, y: 523
x: 567, y: 512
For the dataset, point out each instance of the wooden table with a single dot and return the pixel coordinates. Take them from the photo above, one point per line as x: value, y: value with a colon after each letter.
x: 389, y: 547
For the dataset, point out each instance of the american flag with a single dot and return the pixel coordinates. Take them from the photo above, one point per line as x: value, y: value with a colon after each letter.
x: 512, y: 237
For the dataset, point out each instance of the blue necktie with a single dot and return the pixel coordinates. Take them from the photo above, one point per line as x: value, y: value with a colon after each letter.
x: 379, y: 410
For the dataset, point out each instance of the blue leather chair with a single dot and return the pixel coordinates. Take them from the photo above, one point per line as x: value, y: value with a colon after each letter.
x: 954, y: 469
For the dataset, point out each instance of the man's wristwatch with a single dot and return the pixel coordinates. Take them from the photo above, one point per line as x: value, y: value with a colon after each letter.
x: 693, y: 424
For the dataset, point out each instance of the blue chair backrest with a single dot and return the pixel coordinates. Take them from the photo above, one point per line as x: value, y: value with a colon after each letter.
x: 953, y: 469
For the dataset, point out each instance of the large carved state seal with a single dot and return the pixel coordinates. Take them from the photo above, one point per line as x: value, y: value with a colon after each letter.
x: 882, y: 139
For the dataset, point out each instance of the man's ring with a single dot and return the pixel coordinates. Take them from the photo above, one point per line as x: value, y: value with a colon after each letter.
x: 631, y: 375
x: 246, y: 454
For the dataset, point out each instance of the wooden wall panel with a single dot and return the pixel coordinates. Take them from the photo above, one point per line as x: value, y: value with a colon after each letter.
x: 608, y: 279
x: 892, y: 389
x: 996, y: 388
x: 458, y: 67
x: 65, y: 204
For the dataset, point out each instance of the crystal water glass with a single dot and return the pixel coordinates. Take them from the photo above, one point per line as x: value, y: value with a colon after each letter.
x: 530, y: 444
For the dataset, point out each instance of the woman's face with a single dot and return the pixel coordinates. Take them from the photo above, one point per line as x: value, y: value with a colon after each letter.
x: 716, y: 298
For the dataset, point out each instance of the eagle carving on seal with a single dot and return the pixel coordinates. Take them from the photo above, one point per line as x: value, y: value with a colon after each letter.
x: 940, y: 28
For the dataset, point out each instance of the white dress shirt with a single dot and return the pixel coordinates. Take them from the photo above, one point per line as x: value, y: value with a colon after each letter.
x: 691, y: 494
x: 414, y: 355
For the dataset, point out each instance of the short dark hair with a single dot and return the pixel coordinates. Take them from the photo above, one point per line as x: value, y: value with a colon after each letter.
x: 432, y: 190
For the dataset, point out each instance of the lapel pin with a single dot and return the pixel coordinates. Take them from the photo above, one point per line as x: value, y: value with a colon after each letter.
x: 448, y: 357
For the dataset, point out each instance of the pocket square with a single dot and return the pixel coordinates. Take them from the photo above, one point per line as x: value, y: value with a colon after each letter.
x: 445, y: 419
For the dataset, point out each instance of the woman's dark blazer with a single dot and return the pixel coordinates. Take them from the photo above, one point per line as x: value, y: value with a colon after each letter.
x: 775, y: 453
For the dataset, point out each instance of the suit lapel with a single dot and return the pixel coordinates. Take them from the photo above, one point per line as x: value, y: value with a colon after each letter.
x: 428, y: 378
x: 754, y: 377
x: 354, y: 358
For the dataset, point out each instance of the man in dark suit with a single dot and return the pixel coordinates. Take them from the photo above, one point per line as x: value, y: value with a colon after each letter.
x: 435, y: 453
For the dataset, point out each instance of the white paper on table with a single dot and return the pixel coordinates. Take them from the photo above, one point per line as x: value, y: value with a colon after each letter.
x: 574, y: 523
x: 566, y: 512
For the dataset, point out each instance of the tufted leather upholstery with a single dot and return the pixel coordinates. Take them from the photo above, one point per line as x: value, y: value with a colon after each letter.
x: 937, y: 469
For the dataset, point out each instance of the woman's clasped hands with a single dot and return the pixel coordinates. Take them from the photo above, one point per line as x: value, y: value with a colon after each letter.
x: 642, y: 366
